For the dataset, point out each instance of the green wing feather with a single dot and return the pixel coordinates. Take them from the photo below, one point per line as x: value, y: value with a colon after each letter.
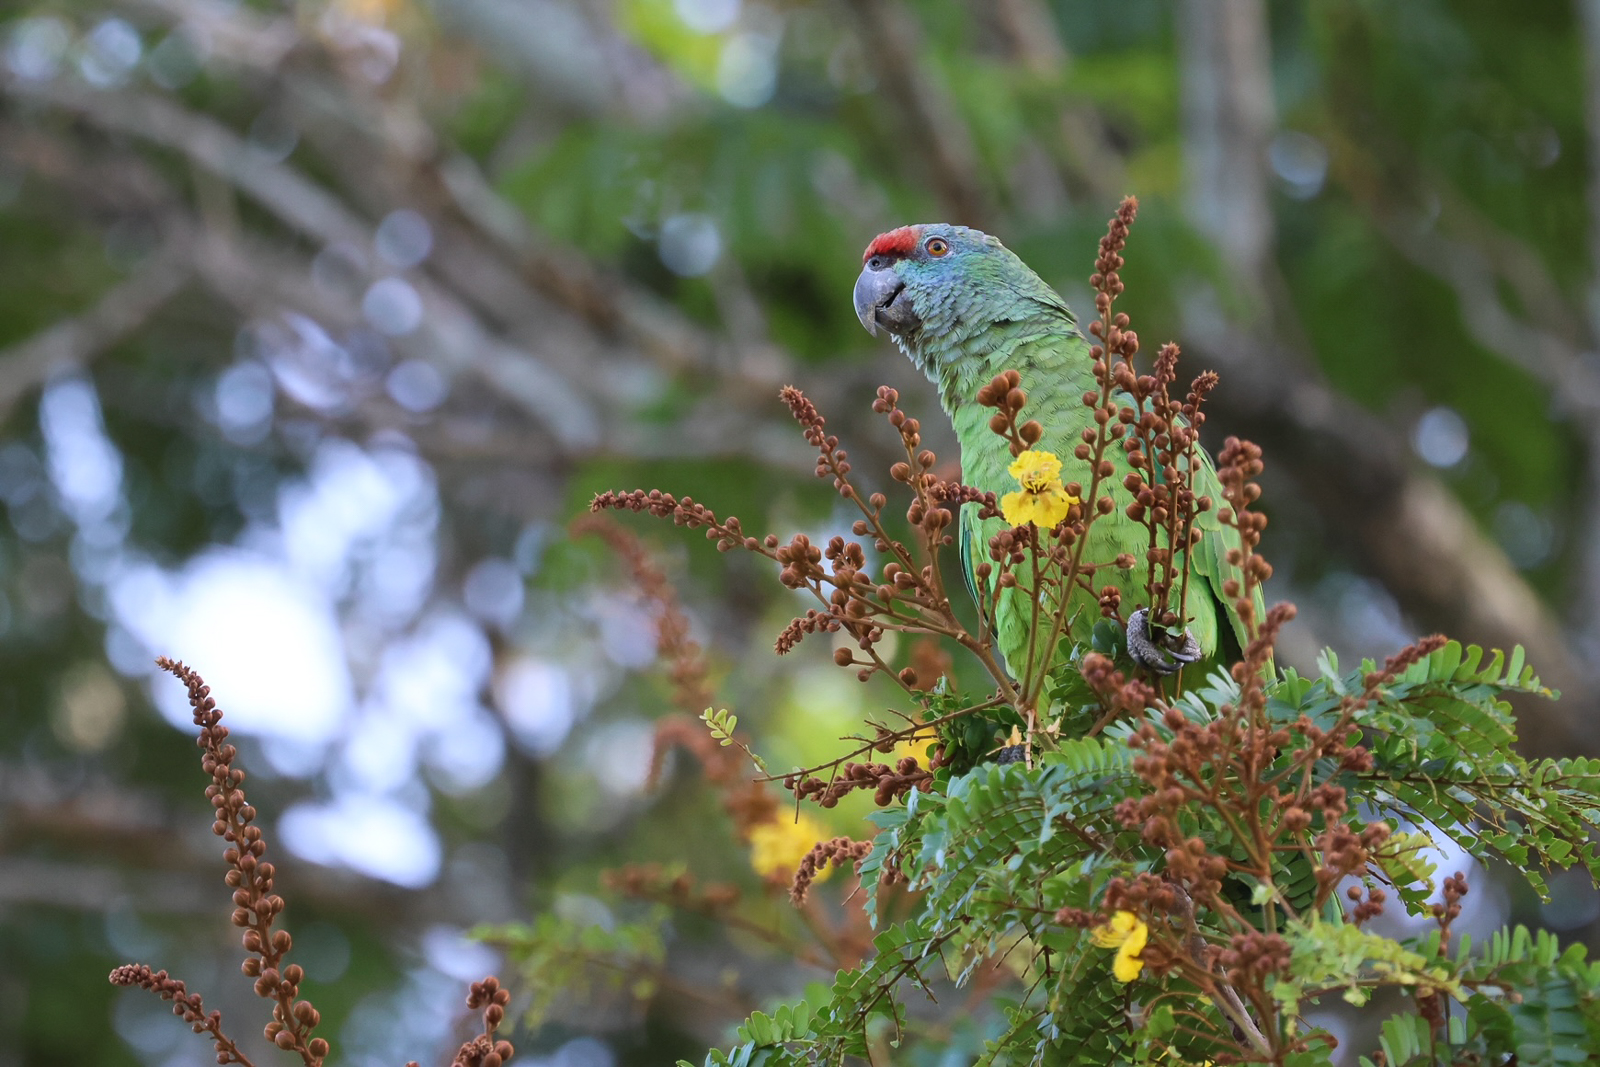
x: 973, y: 551
x: 1209, y: 559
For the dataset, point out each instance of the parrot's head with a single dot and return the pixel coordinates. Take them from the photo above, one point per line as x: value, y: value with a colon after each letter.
x: 933, y: 286
x: 907, y: 274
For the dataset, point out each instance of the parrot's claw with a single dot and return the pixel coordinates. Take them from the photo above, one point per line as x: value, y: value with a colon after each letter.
x: 1159, y: 655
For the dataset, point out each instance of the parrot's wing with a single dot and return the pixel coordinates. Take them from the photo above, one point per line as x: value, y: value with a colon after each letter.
x: 973, y: 545
x: 969, y: 542
x: 1209, y: 558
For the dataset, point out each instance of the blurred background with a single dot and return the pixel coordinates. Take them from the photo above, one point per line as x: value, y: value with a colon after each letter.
x: 320, y: 319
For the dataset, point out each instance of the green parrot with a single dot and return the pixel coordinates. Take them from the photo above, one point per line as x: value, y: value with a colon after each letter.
x: 964, y: 308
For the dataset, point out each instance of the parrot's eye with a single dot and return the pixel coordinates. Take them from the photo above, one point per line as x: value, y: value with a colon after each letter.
x: 937, y: 246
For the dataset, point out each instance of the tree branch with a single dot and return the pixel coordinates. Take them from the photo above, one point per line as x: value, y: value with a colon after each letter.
x: 451, y: 335
x: 932, y: 123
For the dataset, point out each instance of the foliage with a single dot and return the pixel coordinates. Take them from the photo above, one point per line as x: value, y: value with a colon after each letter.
x: 1001, y: 850
x: 1242, y: 829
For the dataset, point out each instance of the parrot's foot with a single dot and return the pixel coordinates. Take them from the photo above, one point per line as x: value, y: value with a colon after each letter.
x: 1018, y: 747
x: 1164, y: 654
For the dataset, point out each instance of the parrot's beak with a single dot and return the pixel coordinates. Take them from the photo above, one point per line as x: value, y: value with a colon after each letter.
x: 881, y: 300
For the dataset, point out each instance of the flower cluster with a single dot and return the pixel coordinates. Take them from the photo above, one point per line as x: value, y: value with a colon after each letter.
x: 251, y: 876
x: 185, y: 1004
x: 256, y: 910
x: 813, y: 865
x: 887, y: 783
x: 484, y: 1050
x: 906, y: 595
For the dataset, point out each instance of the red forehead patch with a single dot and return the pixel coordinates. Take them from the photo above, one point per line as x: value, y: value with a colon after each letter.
x: 894, y: 243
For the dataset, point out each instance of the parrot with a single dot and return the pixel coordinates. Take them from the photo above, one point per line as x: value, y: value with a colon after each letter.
x: 964, y: 308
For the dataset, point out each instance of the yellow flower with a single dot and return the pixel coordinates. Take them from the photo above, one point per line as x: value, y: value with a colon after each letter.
x: 777, y: 847
x: 1042, y: 500
x: 1126, y: 933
